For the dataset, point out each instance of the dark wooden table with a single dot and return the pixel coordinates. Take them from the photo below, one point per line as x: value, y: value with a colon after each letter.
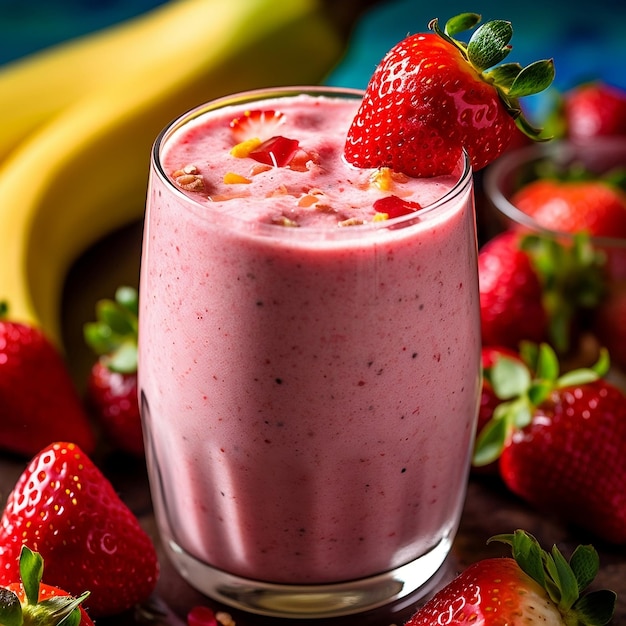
x: 489, y: 508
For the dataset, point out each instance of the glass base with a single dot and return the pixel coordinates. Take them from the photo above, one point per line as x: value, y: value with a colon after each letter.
x: 418, y: 577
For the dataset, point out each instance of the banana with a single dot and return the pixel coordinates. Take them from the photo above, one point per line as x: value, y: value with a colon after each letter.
x: 84, y: 174
x: 35, y: 88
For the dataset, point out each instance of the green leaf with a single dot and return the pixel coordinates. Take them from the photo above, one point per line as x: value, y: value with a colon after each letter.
x: 504, y: 74
x: 490, y: 44
x: 490, y: 442
x: 31, y: 571
x: 124, y: 358
x: 547, y: 363
x: 10, y: 608
x: 582, y: 376
x: 509, y: 378
x: 533, y: 79
x: 596, y: 608
x: 461, y: 23
x: 127, y: 298
x: 527, y: 552
x: 562, y: 574
x: 585, y: 564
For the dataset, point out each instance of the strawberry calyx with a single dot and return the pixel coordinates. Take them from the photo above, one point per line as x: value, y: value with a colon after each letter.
x: 523, y: 385
x: 564, y: 580
x: 487, y: 47
x: 571, y: 277
x: 113, y: 336
x: 61, y: 609
x: 575, y: 171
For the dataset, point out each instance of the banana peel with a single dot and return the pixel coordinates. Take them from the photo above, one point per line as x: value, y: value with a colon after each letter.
x: 84, y: 174
x: 43, y: 84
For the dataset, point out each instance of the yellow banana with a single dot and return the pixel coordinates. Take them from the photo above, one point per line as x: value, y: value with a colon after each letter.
x: 84, y: 174
x: 37, y: 87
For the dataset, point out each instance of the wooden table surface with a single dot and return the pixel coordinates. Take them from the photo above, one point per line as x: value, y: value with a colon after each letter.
x: 489, y: 508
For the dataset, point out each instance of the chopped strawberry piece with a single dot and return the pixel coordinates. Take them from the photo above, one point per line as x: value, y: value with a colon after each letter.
x: 256, y: 123
x: 395, y: 207
x: 201, y: 616
x: 277, y: 151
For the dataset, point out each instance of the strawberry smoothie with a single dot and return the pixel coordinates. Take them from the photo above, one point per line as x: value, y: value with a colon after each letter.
x: 309, y: 363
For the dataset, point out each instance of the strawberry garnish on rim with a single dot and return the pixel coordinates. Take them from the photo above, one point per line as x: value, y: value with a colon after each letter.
x: 433, y: 96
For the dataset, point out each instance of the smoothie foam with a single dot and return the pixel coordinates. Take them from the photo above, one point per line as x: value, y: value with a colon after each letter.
x: 310, y: 374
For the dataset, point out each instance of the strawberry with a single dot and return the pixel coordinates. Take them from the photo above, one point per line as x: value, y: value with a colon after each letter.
x: 594, y: 109
x: 38, y: 401
x: 433, y: 96
x: 534, y: 288
x: 575, y: 202
x: 533, y: 587
x: 30, y: 601
x: 64, y: 508
x: 561, y: 443
x: 256, y: 124
x: 112, y: 383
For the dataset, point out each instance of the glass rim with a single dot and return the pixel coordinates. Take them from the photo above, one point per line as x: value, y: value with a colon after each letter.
x: 559, y: 149
x: 464, y: 177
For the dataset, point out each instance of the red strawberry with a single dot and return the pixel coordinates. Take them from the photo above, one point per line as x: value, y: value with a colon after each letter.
x: 562, y: 445
x: 588, y: 205
x: 64, y: 508
x: 533, y: 288
x: 432, y: 96
x: 594, y: 109
x: 256, y: 124
x: 29, y: 601
x: 38, y: 401
x: 511, y: 307
x: 112, y: 383
x: 534, y: 587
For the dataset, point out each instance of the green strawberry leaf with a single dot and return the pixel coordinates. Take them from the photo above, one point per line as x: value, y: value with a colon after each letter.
x: 585, y: 564
x: 547, y: 363
x: 124, y: 358
x: 533, y: 79
x: 564, y: 579
x: 31, y: 571
x: 504, y: 74
x: 596, y: 608
x: 10, y: 608
x: 490, y: 442
x: 509, y: 378
x: 490, y: 44
x: 461, y: 23
x: 114, y: 334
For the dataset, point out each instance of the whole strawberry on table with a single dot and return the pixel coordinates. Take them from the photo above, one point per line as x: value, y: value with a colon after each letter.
x: 111, y: 392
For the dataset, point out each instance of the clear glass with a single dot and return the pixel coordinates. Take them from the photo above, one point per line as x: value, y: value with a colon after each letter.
x: 309, y: 395
x: 518, y: 167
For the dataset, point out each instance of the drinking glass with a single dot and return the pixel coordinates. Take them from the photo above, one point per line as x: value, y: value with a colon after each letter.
x: 309, y: 395
x: 521, y: 166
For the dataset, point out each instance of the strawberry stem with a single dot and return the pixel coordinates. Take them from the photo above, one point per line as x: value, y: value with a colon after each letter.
x: 487, y: 47
x: 564, y: 580
x: 522, y: 386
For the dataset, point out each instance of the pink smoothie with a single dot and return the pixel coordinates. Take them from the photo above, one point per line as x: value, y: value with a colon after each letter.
x: 310, y: 369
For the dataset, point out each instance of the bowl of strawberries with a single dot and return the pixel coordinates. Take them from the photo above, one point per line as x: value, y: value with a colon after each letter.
x: 558, y: 210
